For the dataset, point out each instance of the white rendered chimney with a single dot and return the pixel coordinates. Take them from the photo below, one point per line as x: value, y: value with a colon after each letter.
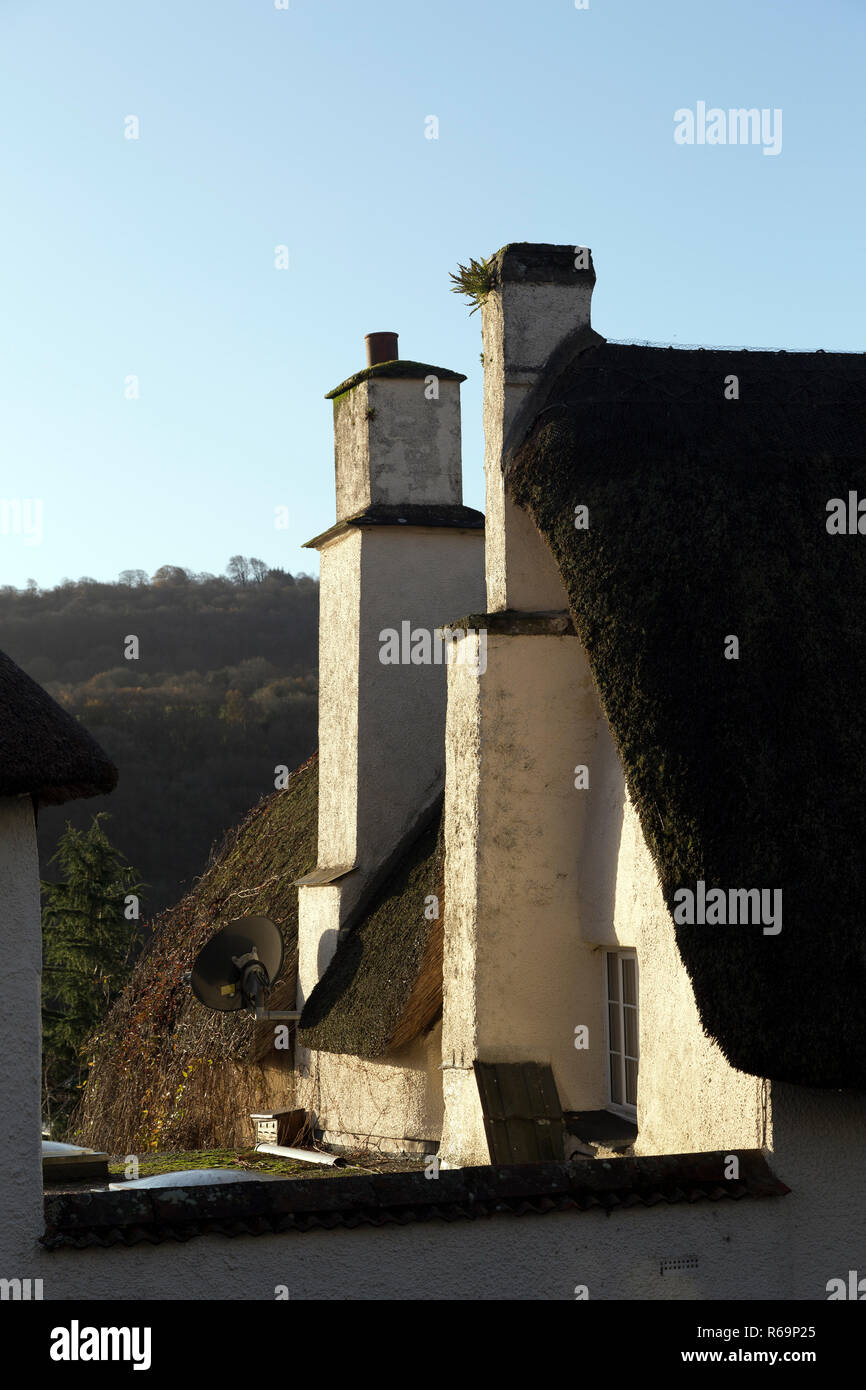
x: 404, y: 557
x: 541, y: 295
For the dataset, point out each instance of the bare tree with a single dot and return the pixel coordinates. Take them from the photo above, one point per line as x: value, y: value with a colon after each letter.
x: 238, y: 569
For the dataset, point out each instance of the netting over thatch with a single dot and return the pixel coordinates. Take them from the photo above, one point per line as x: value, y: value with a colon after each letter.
x: 707, y: 518
x: 166, y: 1072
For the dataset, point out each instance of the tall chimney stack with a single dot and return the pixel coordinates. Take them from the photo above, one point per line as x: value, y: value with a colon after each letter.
x: 512, y: 818
x: 404, y: 556
x: 541, y: 295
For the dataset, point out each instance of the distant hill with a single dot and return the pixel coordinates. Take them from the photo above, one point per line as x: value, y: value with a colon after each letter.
x: 223, y: 690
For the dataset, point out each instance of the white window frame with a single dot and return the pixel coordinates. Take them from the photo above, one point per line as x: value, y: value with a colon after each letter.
x: 628, y: 1112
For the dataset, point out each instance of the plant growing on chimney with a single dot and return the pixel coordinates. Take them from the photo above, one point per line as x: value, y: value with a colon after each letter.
x: 474, y: 281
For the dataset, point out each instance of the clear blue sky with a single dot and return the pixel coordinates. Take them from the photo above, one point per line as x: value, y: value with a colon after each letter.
x: 305, y: 127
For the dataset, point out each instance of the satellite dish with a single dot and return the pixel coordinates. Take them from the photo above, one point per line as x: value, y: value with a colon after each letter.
x: 239, y: 966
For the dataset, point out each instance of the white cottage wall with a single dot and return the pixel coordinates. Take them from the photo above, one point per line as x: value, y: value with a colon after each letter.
x: 20, y: 1038
x: 743, y: 1250
x: 391, y: 1104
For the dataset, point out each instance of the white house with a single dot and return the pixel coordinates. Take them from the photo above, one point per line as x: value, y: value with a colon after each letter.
x: 46, y: 758
x: 580, y: 910
x: 644, y: 729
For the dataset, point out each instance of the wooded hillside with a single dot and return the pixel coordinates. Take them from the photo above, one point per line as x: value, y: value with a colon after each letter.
x: 222, y: 691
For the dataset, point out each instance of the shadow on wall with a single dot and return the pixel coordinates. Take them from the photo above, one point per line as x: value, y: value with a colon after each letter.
x: 327, y: 947
x: 598, y: 854
x: 818, y: 1142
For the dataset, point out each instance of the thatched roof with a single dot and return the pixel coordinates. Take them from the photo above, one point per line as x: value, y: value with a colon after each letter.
x: 708, y: 519
x: 43, y: 749
x: 168, y: 1072
x: 384, y: 984
x: 165, y: 1069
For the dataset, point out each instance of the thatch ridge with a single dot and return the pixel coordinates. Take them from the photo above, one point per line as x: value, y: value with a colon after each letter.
x: 708, y: 518
x: 43, y: 748
x: 384, y: 984
x: 165, y: 1071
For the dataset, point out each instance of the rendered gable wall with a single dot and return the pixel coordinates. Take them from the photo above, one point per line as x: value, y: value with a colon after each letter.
x: 541, y: 875
x: 689, y: 1097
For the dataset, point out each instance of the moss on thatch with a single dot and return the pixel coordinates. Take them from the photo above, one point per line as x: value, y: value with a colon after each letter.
x: 43, y: 749
x: 165, y: 1071
x: 707, y: 517
x: 384, y: 984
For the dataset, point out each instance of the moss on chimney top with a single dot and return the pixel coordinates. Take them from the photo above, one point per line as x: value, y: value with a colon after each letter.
x: 401, y: 367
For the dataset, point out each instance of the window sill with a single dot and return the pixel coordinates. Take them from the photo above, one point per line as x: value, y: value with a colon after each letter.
x: 601, y: 1129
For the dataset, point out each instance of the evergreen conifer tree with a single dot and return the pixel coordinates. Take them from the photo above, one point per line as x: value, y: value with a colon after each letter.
x: 90, y: 940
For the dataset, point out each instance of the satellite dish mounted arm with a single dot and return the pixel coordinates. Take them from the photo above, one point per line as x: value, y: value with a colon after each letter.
x: 230, y: 973
x: 254, y: 986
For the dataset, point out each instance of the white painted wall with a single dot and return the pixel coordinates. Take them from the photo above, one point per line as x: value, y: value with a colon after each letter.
x: 746, y: 1250
x: 339, y: 640
x: 319, y: 917
x: 390, y: 1105
x: 518, y: 976
x: 525, y: 866
x: 620, y: 905
x: 818, y: 1141
x: 381, y: 749
x: 426, y: 576
x: 541, y: 877
x: 20, y: 1037
x: 689, y: 1096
